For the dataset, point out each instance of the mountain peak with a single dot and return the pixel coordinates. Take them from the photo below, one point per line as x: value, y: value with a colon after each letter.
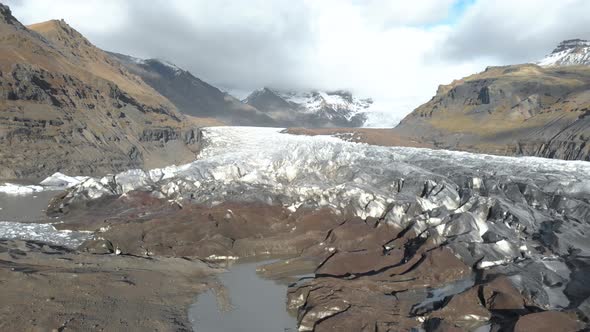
x: 7, y: 18
x: 571, y: 44
x: 569, y: 52
x: 336, y: 107
x: 267, y: 98
x: 60, y: 32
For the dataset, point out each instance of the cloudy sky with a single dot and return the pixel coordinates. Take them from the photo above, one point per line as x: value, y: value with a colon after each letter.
x: 395, y: 51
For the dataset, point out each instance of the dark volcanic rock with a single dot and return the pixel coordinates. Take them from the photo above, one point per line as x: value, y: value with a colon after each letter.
x: 464, y: 310
x: 500, y: 294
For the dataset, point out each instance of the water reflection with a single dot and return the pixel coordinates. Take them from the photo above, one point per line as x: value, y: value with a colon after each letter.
x: 243, y: 302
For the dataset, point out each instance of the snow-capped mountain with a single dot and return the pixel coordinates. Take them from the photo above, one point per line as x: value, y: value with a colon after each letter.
x: 263, y: 107
x: 568, y: 53
x: 163, y: 66
x: 318, y: 108
x: 318, y: 102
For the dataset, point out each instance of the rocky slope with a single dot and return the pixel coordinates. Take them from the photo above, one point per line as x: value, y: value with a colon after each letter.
x: 311, y: 109
x: 66, y: 105
x: 191, y: 95
x: 514, y: 110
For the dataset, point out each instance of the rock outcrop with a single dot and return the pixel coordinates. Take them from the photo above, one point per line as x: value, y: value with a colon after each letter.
x: 67, y: 106
x: 512, y: 110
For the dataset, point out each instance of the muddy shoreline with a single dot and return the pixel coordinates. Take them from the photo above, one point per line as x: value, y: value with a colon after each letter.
x: 50, y: 288
x: 117, y: 280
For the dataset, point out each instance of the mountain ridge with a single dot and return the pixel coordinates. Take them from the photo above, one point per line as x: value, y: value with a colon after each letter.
x: 263, y: 107
x: 190, y: 94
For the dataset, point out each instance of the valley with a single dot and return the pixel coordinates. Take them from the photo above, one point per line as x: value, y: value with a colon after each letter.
x: 377, y: 227
x: 139, y: 195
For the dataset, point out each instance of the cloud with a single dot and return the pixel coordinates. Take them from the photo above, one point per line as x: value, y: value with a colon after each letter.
x: 386, y: 13
x: 234, y: 44
x: 395, y: 51
x: 516, y: 31
x: 393, y: 63
x: 99, y: 16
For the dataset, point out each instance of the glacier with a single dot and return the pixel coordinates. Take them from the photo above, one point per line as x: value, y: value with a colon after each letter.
x: 525, y: 217
x: 496, y: 202
x: 325, y: 170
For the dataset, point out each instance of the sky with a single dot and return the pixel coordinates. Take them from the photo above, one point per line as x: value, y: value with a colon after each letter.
x: 395, y: 51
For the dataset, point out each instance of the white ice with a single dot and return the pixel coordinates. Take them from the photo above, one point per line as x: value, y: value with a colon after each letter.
x: 17, y: 189
x: 324, y: 170
x: 41, y: 232
x: 57, y: 181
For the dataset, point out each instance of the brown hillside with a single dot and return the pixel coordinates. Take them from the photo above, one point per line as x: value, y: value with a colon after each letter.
x: 65, y: 105
x: 515, y: 110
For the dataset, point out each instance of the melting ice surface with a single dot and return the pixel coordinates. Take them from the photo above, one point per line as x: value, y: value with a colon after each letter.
x: 264, y: 165
x: 439, y: 294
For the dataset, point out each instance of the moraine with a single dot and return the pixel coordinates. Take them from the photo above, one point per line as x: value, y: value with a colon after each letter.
x: 526, y: 218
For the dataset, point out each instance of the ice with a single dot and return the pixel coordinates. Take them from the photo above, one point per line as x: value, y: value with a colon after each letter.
x: 16, y: 189
x: 381, y: 119
x: 57, y: 181
x: 327, y: 171
x: 555, y: 292
x: 62, y: 181
x: 264, y: 165
x: 41, y: 232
